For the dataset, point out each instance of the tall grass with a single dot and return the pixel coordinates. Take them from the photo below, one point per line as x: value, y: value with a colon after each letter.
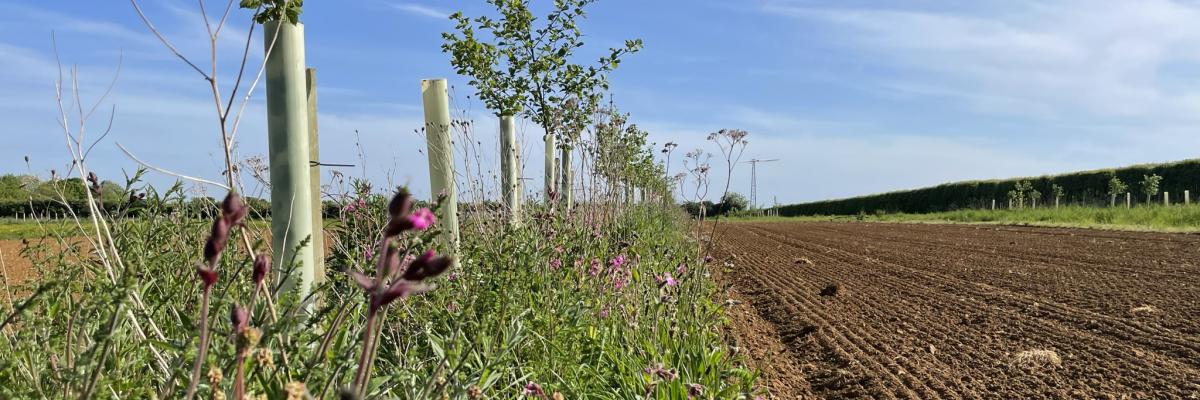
x: 575, y: 305
x: 1176, y: 218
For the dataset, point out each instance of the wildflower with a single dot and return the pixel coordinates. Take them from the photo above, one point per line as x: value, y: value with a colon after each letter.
x: 233, y: 212
x: 262, y: 266
x: 665, y: 280
x: 595, y: 269
x: 369, y: 253
x: 604, y: 312
x: 427, y: 266
x: 239, y: 318
x: 662, y: 373
x: 555, y: 264
x: 618, y: 261
x: 296, y: 390
x: 695, y: 390
x: 421, y: 219
x: 207, y: 275
x: 533, y: 389
x: 398, y: 212
x: 681, y: 269
x: 452, y: 276
x: 473, y: 393
x: 708, y: 259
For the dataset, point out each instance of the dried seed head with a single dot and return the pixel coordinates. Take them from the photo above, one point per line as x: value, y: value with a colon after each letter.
x: 296, y: 390
x: 264, y: 358
x: 250, y: 338
x: 214, y: 376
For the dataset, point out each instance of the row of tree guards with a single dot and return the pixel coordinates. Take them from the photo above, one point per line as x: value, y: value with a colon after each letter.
x: 1166, y: 200
x: 294, y: 153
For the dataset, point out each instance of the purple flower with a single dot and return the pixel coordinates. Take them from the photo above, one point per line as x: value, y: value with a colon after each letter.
x: 708, y: 259
x: 617, y: 262
x: 665, y: 280
x: 604, y: 312
x: 595, y: 269
x: 682, y: 269
x: 262, y: 266
x: 533, y: 389
x: 555, y: 264
x: 695, y: 390
x: 421, y: 219
x: 452, y: 276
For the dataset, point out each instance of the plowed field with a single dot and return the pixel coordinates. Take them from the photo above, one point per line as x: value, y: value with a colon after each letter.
x: 860, y: 310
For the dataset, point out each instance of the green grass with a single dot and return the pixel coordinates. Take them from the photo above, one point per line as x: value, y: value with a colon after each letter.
x: 1153, y: 218
x: 15, y: 229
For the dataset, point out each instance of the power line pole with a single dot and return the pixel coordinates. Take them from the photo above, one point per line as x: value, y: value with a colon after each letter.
x: 754, y: 179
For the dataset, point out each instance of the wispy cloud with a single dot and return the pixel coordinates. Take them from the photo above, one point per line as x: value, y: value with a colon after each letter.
x: 1036, y: 59
x: 420, y: 9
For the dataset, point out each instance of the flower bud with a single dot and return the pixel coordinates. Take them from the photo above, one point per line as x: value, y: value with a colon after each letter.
x: 262, y: 266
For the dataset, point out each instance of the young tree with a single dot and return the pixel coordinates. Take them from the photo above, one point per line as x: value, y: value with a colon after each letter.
x: 1150, y: 185
x: 1035, y: 195
x: 1021, y: 188
x: 1057, y: 192
x: 1115, y: 187
x: 526, y: 69
x: 1012, y: 198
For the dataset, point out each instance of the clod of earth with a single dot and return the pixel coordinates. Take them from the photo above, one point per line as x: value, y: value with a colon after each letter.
x: 830, y: 290
x: 1037, y: 359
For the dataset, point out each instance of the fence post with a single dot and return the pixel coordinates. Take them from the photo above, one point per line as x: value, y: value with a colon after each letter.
x: 1166, y: 198
x: 551, y: 167
x: 568, y: 178
x: 441, y: 158
x: 287, y: 138
x: 1187, y: 197
x: 314, y: 178
x: 993, y: 204
x: 509, y: 165
x: 1128, y: 199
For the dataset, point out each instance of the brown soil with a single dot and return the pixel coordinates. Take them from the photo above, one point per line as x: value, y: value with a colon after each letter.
x: 957, y: 311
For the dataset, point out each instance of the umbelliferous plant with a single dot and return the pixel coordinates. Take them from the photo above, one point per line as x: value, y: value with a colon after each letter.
x: 1150, y: 184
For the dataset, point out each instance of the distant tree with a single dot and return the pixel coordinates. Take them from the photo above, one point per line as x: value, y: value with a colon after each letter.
x: 733, y: 202
x: 1035, y: 195
x: 1115, y: 187
x: 1057, y: 192
x: 1150, y: 185
x: 1012, y: 198
x: 1020, y: 190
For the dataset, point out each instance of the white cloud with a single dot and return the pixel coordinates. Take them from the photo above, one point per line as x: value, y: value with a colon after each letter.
x: 421, y: 10
x: 1042, y: 59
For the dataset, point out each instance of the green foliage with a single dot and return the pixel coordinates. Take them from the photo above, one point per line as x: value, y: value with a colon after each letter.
x: 731, y: 203
x: 1150, y: 185
x: 543, y: 303
x: 1116, y: 186
x: 520, y: 66
x: 274, y: 10
x: 1085, y: 188
x: 1057, y: 191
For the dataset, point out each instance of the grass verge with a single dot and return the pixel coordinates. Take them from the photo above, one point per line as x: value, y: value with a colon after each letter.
x: 1176, y: 218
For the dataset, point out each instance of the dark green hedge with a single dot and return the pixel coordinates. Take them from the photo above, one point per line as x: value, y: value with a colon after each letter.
x: 1087, y: 188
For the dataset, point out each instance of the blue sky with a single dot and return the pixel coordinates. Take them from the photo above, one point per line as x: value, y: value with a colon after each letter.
x: 855, y: 97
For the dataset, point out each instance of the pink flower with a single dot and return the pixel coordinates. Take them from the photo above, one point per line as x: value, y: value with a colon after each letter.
x: 421, y: 219
x: 617, y: 262
x: 665, y: 280
x: 555, y: 264
x: 708, y: 259
x: 595, y: 269
x: 452, y: 276
x: 533, y: 389
x: 604, y: 312
x: 682, y: 269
